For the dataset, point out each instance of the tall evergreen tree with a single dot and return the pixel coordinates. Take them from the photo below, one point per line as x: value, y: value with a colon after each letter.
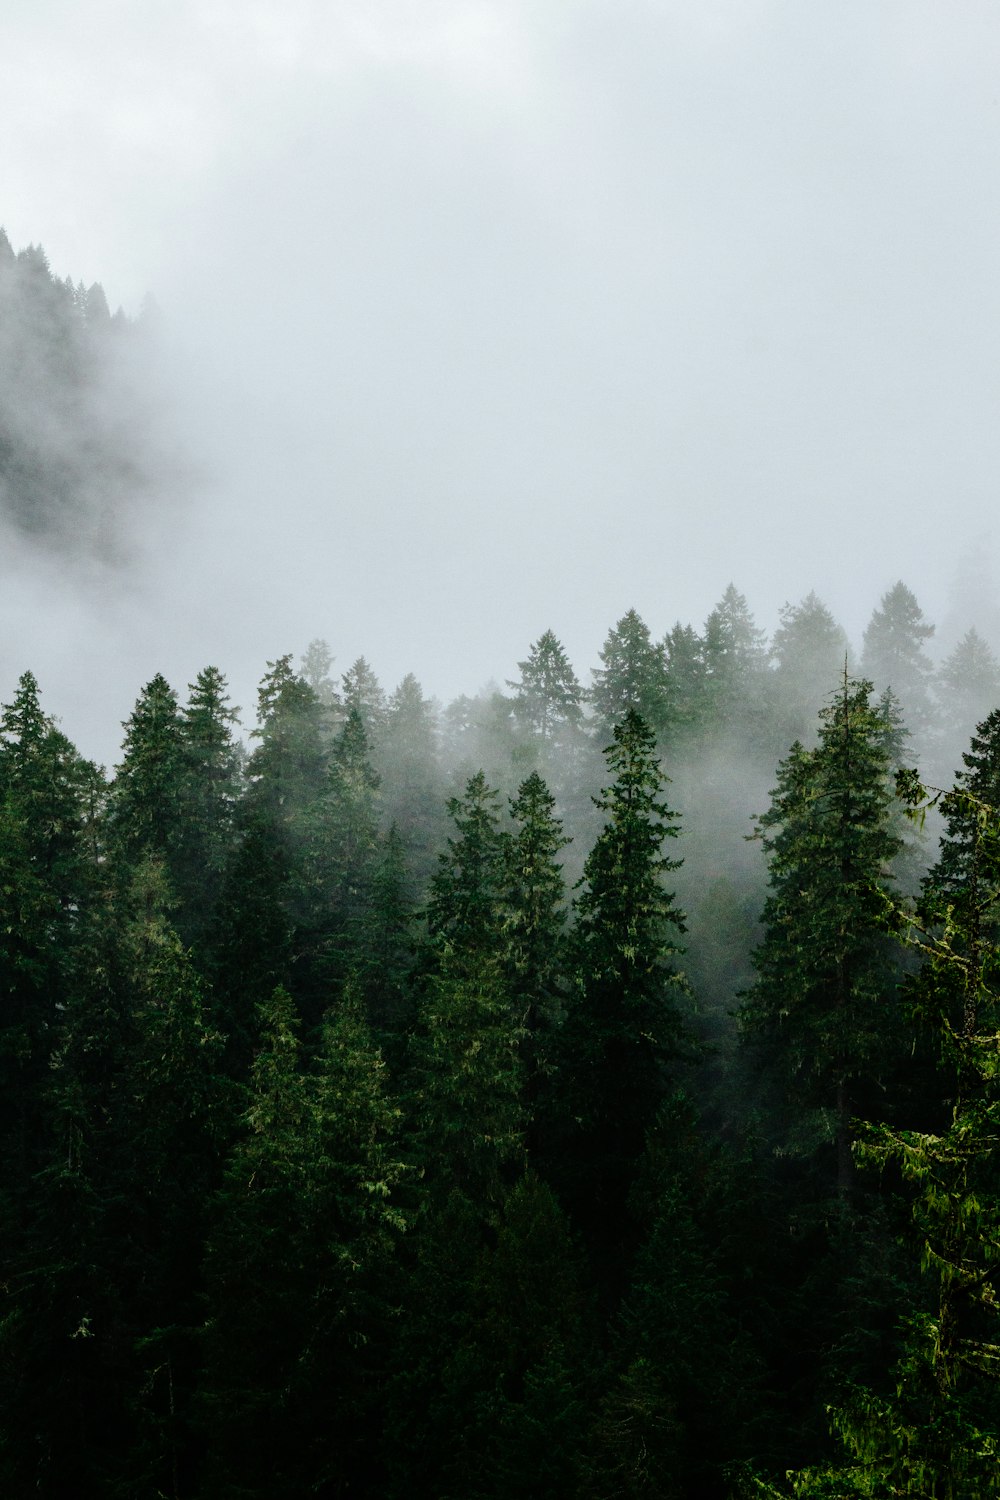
x: 547, y: 695
x: 145, y: 799
x: 936, y: 1431
x: 823, y: 1000
x: 209, y: 794
x: 687, y: 686
x: 809, y: 650
x: 893, y: 655
x: 464, y: 911
x: 412, y: 782
x: 633, y: 677
x: 967, y: 687
x: 535, y: 955
x: 624, y: 1025
x: 305, y: 1226
x: 735, y: 659
x: 363, y: 692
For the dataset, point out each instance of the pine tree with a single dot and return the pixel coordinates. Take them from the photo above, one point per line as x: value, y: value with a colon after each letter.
x: 363, y: 692
x: 687, y: 686
x: 633, y: 677
x: 302, y: 1245
x: 412, y: 782
x: 936, y: 1433
x: 893, y: 655
x: 547, y: 695
x: 464, y: 910
x: 735, y: 659
x: 968, y: 690
x: 145, y: 799
x: 343, y: 848
x: 624, y: 1026
x: 265, y: 891
x: 205, y: 835
x: 823, y: 1000
x: 809, y: 651
x: 535, y: 955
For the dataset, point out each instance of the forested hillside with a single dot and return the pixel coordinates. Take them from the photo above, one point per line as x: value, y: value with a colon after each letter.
x: 76, y: 447
x: 584, y: 1089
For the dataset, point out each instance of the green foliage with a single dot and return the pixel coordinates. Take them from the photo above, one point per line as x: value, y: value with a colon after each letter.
x: 633, y: 677
x: 467, y: 1078
x: 823, y: 1004
x: 893, y: 654
x: 547, y: 696
x: 304, y: 1235
x: 627, y: 922
x: 464, y: 907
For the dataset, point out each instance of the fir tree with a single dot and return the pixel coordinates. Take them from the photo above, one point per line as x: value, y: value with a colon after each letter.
x: 893, y: 655
x: 547, y: 696
x: 823, y: 1001
x: 624, y: 1025
x: 633, y: 677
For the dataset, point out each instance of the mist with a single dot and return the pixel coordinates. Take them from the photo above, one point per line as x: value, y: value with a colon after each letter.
x: 485, y: 321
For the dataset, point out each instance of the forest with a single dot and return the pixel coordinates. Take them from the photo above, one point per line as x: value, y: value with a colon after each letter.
x: 588, y: 1088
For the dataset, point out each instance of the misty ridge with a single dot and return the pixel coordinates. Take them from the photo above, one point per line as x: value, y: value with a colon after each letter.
x: 78, y: 451
x: 583, y: 1088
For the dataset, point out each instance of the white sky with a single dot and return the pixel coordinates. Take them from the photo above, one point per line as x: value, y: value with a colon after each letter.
x: 486, y: 318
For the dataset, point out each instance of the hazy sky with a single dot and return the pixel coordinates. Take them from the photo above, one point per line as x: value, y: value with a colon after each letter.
x: 485, y: 318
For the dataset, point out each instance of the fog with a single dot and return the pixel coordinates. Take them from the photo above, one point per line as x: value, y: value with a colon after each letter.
x: 481, y: 319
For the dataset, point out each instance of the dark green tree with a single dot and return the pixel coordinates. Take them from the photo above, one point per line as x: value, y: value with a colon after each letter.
x: 210, y: 788
x: 465, y: 907
x: 936, y: 1432
x: 547, y: 696
x: 145, y: 800
x: 535, y: 954
x: 735, y: 659
x: 304, y: 1231
x: 624, y: 1026
x: 687, y: 685
x: 823, y: 1000
x: 633, y: 677
x: 363, y: 692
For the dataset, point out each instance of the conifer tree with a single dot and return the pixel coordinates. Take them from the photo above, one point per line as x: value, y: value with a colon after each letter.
x: 265, y: 890
x: 936, y: 1431
x: 547, y: 695
x: 304, y: 1234
x: 967, y: 687
x: 624, y: 1025
x: 464, y: 910
x: 687, y: 685
x: 209, y: 794
x: 412, y: 782
x: 809, y: 650
x: 315, y: 671
x: 735, y: 658
x: 535, y: 955
x: 893, y: 655
x: 343, y: 847
x: 633, y: 677
x: 145, y: 799
x: 823, y: 1000
x: 363, y: 692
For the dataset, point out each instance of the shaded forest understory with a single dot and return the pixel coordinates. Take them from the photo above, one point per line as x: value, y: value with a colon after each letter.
x: 440, y: 1102
x: 410, y: 1102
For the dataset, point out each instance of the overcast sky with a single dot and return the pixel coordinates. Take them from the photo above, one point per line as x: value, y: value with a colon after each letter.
x: 488, y: 318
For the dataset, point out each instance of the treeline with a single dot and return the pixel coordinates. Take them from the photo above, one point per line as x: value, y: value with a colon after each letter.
x: 374, y: 1114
